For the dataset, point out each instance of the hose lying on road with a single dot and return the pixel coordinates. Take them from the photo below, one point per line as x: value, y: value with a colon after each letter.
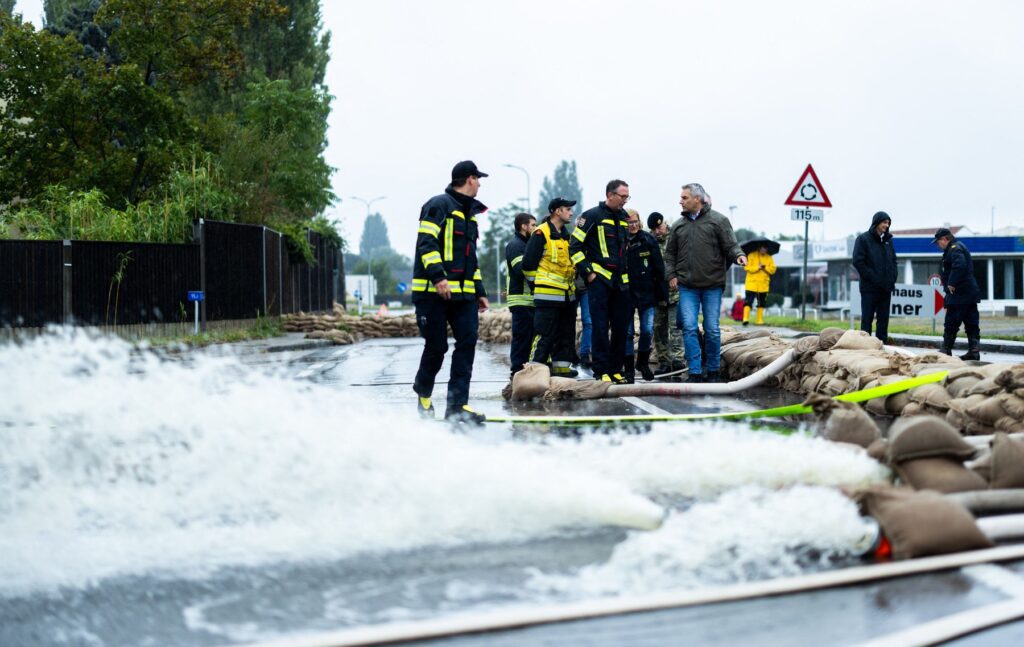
x: 990, y: 501
x: 700, y: 388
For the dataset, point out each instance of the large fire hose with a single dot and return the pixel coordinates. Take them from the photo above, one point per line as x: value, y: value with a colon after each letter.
x: 702, y: 388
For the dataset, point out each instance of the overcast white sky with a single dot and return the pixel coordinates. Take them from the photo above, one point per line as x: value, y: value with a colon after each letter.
x: 911, y: 107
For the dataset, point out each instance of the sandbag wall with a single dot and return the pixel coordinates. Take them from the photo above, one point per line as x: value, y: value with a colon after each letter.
x: 975, y: 399
x: 341, y: 328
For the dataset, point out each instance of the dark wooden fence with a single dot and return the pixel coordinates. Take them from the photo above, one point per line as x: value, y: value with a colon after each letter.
x: 244, y: 271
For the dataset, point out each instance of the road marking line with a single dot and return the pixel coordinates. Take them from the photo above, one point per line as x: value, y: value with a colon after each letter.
x: 999, y: 578
x: 643, y: 405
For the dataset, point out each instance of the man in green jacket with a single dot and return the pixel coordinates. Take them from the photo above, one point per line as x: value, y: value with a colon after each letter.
x: 700, y: 249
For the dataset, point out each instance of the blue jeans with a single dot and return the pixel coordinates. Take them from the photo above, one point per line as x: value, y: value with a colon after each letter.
x: 691, y: 302
x: 588, y: 325
x: 646, y: 331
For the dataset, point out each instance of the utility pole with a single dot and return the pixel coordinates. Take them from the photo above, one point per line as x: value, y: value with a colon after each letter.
x: 371, y: 286
x: 529, y: 199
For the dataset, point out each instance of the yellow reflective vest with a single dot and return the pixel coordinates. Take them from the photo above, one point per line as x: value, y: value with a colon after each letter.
x: 548, y: 266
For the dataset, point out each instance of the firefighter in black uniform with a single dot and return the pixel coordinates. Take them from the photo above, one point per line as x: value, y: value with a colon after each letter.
x: 548, y: 267
x: 962, y: 295
x: 520, y: 295
x: 599, y: 252
x: 447, y: 289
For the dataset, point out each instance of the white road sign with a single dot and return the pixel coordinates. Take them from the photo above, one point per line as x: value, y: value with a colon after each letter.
x: 907, y: 300
x: 813, y: 215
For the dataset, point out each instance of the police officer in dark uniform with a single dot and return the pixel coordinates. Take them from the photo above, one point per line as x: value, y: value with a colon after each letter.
x: 520, y: 294
x: 962, y: 295
x: 447, y: 289
x: 548, y: 266
x: 599, y: 252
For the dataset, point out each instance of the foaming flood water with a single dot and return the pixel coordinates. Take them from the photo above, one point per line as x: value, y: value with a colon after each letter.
x: 236, y: 490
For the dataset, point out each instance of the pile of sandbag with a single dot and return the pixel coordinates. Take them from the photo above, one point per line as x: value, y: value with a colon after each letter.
x: 342, y: 328
x: 974, y: 399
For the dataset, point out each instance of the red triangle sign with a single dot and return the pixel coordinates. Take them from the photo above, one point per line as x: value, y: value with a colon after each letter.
x: 808, y: 191
x: 940, y: 302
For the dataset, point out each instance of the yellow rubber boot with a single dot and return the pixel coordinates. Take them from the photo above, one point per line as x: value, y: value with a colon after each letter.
x: 760, y: 316
x: 746, y: 315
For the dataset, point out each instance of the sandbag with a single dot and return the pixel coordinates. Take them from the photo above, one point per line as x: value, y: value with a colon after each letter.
x: 940, y: 474
x: 857, y: 340
x: 957, y: 413
x: 1009, y: 424
x: 531, y: 382
x: 828, y: 337
x: 1011, y: 378
x: 565, y: 388
x: 806, y: 345
x: 926, y: 437
x: 987, y: 410
x: 843, y: 422
x: 988, y: 386
x: 932, y: 395
x: 921, y: 523
x: 1007, y: 462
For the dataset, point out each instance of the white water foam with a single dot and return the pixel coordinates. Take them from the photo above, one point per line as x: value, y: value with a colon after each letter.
x: 747, y: 533
x: 119, y: 462
x: 116, y: 462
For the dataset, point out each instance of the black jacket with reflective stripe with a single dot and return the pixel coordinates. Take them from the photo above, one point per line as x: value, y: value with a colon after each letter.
x: 518, y: 288
x: 599, y: 245
x: 446, y: 247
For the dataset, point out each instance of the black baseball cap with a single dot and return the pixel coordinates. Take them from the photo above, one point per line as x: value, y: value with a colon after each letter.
x: 465, y: 169
x: 560, y: 202
x: 654, y: 220
x: 941, y: 232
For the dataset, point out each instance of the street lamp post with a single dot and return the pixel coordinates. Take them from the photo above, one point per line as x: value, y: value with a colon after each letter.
x: 369, y: 252
x: 529, y: 199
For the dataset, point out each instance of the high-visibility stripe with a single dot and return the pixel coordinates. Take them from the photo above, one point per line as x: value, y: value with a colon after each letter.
x: 516, y: 261
x: 520, y: 300
x: 604, y: 244
x: 427, y: 227
x: 477, y: 276
x: 423, y: 285
x: 449, y: 231
x: 625, y: 279
x: 548, y: 291
x: 791, y: 410
x: 547, y: 278
x: 579, y: 234
x: 530, y: 274
x: 600, y: 270
x: 430, y: 258
x: 459, y: 214
x: 607, y: 221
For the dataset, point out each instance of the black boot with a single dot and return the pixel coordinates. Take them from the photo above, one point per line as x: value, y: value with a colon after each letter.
x: 642, y: 360
x: 630, y: 369
x: 973, y: 349
x: 947, y: 344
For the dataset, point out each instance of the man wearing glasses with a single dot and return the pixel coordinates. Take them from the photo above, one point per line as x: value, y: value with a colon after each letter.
x: 701, y: 247
x: 598, y: 251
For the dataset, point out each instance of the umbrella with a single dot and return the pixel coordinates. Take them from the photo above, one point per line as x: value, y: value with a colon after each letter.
x: 757, y: 243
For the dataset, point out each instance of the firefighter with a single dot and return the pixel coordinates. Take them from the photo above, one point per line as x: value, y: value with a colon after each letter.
x: 548, y: 266
x: 520, y: 293
x: 447, y: 289
x: 599, y: 253
x: 962, y: 295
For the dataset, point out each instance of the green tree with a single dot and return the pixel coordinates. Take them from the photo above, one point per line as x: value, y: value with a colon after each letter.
x: 291, y: 45
x: 6, y: 7
x: 54, y: 11
x: 375, y: 235
x: 381, y: 271
x: 491, y: 252
x: 564, y: 184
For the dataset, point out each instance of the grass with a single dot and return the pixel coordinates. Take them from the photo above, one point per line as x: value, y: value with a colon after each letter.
x: 264, y: 328
x: 897, y: 326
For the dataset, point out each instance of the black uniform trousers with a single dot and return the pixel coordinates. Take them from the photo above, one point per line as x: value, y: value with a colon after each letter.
x: 522, y: 336
x: 554, y: 335
x: 433, y: 316
x: 962, y: 313
x: 875, y: 305
x: 609, y: 307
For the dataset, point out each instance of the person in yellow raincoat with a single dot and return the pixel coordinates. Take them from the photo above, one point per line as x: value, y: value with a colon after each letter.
x: 760, y: 268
